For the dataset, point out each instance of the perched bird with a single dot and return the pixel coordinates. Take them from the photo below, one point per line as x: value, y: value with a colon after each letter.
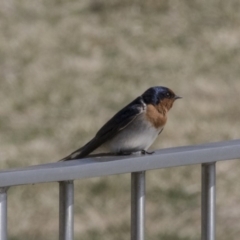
x: 134, y: 128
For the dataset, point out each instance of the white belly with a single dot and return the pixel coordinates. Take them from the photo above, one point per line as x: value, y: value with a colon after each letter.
x: 138, y: 135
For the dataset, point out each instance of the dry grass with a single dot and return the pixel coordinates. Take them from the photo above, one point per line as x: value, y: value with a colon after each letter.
x: 66, y: 67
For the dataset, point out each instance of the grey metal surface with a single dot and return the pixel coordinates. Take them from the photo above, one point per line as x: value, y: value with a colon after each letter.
x: 102, y: 166
x: 3, y: 213
x: 66, y: 213
x: 137, y: 205
x: 208, y: 201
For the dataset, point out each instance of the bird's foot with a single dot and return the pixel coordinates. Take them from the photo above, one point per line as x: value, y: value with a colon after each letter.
x: 144, y: 152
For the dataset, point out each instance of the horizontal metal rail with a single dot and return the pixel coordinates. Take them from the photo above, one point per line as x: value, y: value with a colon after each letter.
x: 104, y: 166
x: 66, y: 172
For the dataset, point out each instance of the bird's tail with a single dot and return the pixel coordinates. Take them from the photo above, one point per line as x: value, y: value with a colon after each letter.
x: 79, y: 153
x: 72, y: 156
x: 67, y: 158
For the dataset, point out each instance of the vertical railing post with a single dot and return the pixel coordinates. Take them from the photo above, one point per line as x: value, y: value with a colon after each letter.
x: 208, y: 201
x: 3, y: 213
x: 137, y: 205
x: 66, y: 201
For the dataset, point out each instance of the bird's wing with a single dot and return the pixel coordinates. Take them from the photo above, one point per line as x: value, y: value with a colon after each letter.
x: 116, y: 124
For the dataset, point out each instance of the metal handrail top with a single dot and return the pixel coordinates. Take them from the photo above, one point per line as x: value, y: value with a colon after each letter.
x: 110, y: 165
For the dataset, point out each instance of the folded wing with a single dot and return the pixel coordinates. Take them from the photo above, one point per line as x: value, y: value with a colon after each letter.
x: 116, y: 124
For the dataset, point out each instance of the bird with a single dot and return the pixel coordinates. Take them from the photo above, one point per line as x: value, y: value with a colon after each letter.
x: 134, y: 128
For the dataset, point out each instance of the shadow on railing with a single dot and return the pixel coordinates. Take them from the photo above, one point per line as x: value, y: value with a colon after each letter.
x: 66, y: 172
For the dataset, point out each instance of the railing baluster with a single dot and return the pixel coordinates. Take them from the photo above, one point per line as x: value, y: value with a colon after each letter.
x: 137, y: 205
x: 3, y: 213
x: 66, y: 200
x: 208, y: 201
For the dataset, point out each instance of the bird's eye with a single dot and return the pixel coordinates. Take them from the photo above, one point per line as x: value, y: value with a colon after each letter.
x: 167, y: 94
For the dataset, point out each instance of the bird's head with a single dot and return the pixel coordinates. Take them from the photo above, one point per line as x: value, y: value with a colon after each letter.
x: 160, y: 97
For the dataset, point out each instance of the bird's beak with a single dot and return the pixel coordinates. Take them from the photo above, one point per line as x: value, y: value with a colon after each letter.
x: 177, y: 97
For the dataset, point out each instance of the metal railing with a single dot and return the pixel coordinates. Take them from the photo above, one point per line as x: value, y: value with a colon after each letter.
x: 66, y: 172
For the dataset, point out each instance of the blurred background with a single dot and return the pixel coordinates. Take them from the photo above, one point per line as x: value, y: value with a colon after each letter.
x: 67, y: 66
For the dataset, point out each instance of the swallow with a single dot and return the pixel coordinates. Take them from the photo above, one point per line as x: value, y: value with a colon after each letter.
x: 134, y: 128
